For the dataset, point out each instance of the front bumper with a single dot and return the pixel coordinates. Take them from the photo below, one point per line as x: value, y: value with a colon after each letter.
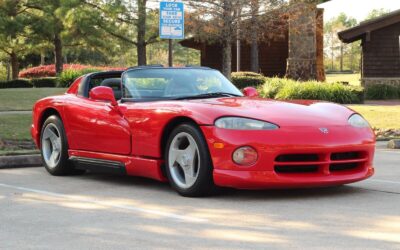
x: 324, y: 168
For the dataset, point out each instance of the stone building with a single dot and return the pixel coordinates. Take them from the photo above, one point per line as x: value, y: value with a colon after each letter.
x: 380, y: 41
x: 297, y: 52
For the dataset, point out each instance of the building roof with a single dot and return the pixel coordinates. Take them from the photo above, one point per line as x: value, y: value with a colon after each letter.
x: 358, y: 32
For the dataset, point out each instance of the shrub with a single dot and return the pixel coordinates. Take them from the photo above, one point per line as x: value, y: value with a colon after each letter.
x: 272, y: 86
x: 286, y: 89
x: 19, y: 83
x: 246, y: 79
x: 50, y: 70
x: 382, y: 92
x: 46, y: 70
x: 67, y: 77
x: 46, y: 82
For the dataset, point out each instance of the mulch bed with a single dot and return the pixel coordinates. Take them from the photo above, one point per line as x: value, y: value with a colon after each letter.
x: 16, y: 145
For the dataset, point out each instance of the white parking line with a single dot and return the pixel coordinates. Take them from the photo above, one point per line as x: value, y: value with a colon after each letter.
x: 386, y: 181
x: 131, y: 208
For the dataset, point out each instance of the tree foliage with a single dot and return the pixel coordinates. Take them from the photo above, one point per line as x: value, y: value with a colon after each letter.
x: 224, y: 21
x: 15, y: 31
x: 346, y: 56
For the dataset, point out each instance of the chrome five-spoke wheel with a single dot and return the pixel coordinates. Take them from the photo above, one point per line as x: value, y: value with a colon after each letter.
x: 184, y: 160
x: 51, y: 145
x: 188, y: 162
x: 54, y: 148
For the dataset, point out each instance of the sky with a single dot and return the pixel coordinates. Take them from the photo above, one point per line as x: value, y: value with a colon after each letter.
x: 358, y: 9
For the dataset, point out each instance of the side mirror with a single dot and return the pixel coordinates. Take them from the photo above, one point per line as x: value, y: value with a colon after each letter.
x: 250, y: 92
x: 103, y: 93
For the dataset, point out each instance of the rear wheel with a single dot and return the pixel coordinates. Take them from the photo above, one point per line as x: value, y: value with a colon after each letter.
x: 54, y: 148
x: 189, y: 167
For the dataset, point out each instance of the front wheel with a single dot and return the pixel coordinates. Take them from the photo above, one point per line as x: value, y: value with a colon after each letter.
x: 54, y: 147
x: 188, y: 162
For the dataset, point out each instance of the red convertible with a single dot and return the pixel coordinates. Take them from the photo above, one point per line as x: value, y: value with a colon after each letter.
x: 192, y: 127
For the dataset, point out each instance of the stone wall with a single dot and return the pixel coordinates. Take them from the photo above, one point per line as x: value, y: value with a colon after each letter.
x: 365, y: 82
x: 305, y: 61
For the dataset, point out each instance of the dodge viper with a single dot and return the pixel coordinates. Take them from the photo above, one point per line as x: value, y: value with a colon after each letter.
x: 192, y: 127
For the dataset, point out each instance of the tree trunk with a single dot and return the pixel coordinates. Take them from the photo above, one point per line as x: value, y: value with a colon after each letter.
x: 227, y: 58
x: 14, y: 65
x: 8, y: 71
x: 254, y: 60
x: 352, y: 59
x: 42, y: 58
x: 332, y: 52
x: 58, y: 54
x: 341, y: 57
x: 141, y: 33
x: 228, y: 33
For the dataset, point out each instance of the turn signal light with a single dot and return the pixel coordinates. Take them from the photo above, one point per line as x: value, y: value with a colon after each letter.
x: 219, y: 145
x: 245, y: 156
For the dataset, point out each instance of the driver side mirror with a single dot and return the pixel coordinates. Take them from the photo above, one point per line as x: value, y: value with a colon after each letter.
x: 250, y: 92
x: 102, y: 93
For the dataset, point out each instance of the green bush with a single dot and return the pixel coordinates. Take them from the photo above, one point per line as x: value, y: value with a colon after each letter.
x: 45, y: 82
x: 19, y: 83
x: 67, y: 77
x: 247, y: 79
x: 382, y: 92
x: 272, y: 86
x: 286, y: 89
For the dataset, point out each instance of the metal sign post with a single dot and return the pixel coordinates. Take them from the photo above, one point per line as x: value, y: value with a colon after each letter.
x: 172, y: 24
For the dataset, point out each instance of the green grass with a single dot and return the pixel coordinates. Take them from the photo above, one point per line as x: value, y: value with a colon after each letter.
x: 352, y: 79
x: 384, y: 117
x: 18, y: 152
x: 23, y: 99
x: 16, y: 127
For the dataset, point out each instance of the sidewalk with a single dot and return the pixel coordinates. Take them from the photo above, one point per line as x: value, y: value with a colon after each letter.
x: 383, y: 102
x: 16, y: 112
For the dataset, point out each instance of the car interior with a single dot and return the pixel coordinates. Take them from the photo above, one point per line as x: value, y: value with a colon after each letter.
x: 110, y: 79
x: 147, y: 87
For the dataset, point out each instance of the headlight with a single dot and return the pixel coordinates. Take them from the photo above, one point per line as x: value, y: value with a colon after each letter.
x: 239, y: 123
x: 358, y: 121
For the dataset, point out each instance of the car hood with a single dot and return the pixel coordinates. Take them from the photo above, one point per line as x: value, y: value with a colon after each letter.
x: 282, y: 113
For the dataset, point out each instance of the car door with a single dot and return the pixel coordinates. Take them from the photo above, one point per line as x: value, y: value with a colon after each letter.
x: 96, y: 126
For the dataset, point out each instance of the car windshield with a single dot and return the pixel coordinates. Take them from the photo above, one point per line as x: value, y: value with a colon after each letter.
x: 175, y: 83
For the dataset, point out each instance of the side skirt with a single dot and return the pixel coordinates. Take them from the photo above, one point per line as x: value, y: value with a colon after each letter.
x: 126, y: 164
x: 98, y: 165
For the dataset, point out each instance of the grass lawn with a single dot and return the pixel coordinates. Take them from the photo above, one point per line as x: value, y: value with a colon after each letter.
x: 16, y: 127
x: 353, y: 79
x: 18, y: 152
x: 24, y: 98
x: 387, y: 117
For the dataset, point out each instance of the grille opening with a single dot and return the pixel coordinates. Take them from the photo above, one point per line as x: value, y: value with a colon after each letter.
x: 346, y: 156
x: 297, y: 158
x: 343, y: 166
x: 296, y: 169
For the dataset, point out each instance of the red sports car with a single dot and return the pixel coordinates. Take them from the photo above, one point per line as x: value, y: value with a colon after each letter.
x: 192, y: 127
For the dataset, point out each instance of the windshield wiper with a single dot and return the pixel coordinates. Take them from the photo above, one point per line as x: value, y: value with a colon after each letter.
x: 207, y: 95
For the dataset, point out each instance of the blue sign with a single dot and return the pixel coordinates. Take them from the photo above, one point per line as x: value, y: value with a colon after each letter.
x: 172, y: 20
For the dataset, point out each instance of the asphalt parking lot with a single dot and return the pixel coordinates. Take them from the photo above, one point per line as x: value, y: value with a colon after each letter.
x: 96, y: 211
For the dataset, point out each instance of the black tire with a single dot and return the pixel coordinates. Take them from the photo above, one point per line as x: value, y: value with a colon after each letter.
x: 63, y: 166
x: 204, y: 184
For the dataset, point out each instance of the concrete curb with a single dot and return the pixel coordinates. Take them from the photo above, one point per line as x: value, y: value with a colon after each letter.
x: 20, y: 161
x: 394, y: 144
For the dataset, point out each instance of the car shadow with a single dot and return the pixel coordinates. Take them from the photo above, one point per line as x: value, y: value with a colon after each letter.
x: 230, y: 193
x: 292, y: 194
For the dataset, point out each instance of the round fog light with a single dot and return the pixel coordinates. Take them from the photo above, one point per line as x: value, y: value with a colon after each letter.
x: 245, y: 156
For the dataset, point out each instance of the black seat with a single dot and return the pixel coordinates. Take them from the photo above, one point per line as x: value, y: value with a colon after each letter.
x: 115, y: 84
